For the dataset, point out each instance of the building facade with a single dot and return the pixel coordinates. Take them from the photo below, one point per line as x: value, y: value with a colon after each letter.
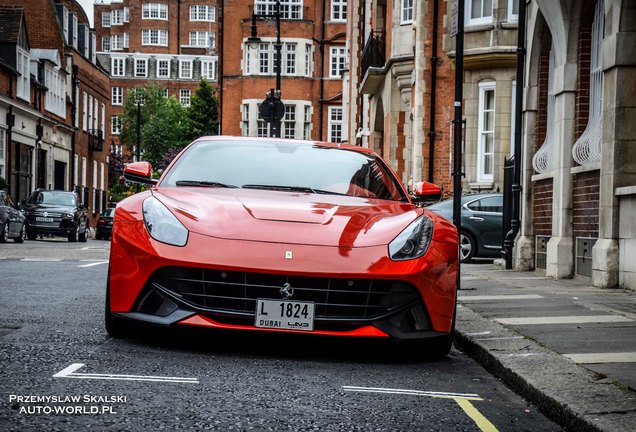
x: 45, y: 145
x: 401, y: 86
x: 169, y: 44
x: 313, y: 61
x: 579, y: 157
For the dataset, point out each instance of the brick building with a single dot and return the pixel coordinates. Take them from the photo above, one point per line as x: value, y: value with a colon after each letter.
x: 51, y: 139
x: 313, y: 61
x: 399, y: 90
x: 166, y: 43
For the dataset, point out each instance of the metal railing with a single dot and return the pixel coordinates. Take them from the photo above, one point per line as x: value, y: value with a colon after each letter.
x: 95, y: 140
x: 374, y: 52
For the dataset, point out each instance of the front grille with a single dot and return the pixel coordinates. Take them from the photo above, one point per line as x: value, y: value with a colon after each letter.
x: 236, y: 292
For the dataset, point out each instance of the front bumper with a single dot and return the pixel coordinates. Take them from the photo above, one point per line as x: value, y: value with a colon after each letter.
x: 138, y: 293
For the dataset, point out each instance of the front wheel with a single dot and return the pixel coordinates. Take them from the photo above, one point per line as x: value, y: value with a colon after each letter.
x: 81, y: 237
x: 72, y: 237
x: 467, y: 247
x: 4, y: 235
x: 20, y: 238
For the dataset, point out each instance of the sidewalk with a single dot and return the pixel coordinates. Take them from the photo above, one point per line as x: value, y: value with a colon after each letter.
x: 564, y: 345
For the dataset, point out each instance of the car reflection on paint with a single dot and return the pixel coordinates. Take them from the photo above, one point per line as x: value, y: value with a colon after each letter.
x: 481, y: 224
x: 282, y: 236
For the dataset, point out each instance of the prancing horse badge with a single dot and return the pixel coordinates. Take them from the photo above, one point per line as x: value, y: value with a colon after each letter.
x: 289, y: 255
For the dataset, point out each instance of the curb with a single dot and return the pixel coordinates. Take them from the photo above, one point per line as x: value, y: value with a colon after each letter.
x: 568, y: 394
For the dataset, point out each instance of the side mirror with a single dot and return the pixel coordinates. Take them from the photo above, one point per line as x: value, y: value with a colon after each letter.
x: 139, y: 172
x: 426, y: 192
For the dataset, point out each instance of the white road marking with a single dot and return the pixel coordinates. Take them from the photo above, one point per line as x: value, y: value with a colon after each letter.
x: 93, y: 264
x: 443, y: 395
x: 69, y: 372
x: 500, y: 297
x: 523, y: 355
x: 41, y: 259
x: 91, y: 248
x: 501, y: 338
x: 479, y: 333
x: 563, y: 320
x: 618, y: 357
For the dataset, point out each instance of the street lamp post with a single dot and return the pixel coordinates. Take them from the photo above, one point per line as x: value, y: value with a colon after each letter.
x: 272, y: 109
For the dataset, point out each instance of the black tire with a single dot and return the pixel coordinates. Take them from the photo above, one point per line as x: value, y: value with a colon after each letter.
x: 31, y: 235
x: 467, y: 247
x: 72, y: 237
x: 98, y: 236
x: 81, y: 237
x: 20, y: 238
x: 4, y: 235
x: 115, y: 327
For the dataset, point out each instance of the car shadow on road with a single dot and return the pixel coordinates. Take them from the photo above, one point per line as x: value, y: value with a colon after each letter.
x: 283, y: 346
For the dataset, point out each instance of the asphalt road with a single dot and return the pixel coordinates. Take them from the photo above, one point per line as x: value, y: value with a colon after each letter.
x: 59, y: 370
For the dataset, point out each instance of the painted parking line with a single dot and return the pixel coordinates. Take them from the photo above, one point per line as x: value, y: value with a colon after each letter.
x: 93, y: 264
x: 583, y: 319
x: 41, y: 259
x: 500, y: 297
x: 462, y: 399
x: 70, y: 372
x: 590, y: 358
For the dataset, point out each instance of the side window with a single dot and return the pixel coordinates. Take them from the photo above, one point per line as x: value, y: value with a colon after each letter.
x: 492, y: 204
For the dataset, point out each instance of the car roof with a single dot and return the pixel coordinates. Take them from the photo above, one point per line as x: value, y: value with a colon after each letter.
x: 465, y: 198
x: 307, y: 143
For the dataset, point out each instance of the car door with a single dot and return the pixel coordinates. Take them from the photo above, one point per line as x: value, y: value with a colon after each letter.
x: 485, y: 216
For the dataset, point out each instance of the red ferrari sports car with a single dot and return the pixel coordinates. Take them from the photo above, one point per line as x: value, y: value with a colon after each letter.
x: 280, y: 235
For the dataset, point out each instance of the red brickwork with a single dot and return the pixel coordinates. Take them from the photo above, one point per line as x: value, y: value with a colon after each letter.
x: 542, y: 207
x: 237, y: 87
x: 585, y: 204
x: 583, y: 85
x: 544, y: 68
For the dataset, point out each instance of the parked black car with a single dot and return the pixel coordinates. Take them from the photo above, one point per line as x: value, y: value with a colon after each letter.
x: 12, y: 221
x: 481, y: 221
x: 58, y: 213
x: 105, y: 224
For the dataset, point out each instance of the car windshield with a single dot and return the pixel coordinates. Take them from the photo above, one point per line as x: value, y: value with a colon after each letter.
x: 53, y: 198
x: 284, y: 166
x: 108, y: 212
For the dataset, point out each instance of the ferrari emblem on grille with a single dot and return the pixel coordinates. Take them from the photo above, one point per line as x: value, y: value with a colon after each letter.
x: 289, y: 255
x: 287, y: 290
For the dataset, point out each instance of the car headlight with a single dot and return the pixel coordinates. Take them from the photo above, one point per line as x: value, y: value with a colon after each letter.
x: 162, y: 224
x: 413, y: 241
x: 69, y: 215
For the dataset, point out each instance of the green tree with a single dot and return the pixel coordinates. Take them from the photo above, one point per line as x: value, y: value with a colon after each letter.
x: 164, y: 123
x: 203, y: 111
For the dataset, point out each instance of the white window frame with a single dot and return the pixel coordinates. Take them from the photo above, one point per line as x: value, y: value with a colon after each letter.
x: 126, y: 40
x: 117, y: 17
x: 289, y: 122
x: 208, y: 70
x: 338, y: 10
x: 512, y: 16
x: 55, y: 97
x: 289, y: 59
x: 164, y: 92
x: 337, y: 58
x: 245, y: 119
x: 106, y: 43
x: 117, y: 95
x: 482, y: 18
x: 160, y: 69
x: 154, y: 37
x: 185, y: 97
x: 84, y: 111
x: 106, y: 19
x: 202, y: 13
x: 199, y: 39
x: 482, y: 131
x: 406, y: 11
x: 308, y: 59
x: 335, y: 125
x: 115, y: 125
x: 144, y: 72
x: 154, y: 11
x: 23, y: 65
x: 126, y: 14
x: 118, y: 66
x: 90, y: 113
x: 182, y: 75
x: 289, y: 9
x: 307, y: 122
x: 116, y: 42
x: 74, y: 24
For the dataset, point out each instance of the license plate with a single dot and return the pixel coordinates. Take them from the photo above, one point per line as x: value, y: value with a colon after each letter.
x: 44, y: 219
x: 287, y: 315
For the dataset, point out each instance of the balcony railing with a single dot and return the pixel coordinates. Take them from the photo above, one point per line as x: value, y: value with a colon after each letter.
x: 374, y: 52
x: 95, y: 140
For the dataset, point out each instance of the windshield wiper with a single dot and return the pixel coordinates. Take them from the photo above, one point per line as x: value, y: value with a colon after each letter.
x: 291, y: 189
x: 203, y: 183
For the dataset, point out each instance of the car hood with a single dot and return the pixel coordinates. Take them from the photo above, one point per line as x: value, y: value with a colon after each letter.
x: 283, y: 217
